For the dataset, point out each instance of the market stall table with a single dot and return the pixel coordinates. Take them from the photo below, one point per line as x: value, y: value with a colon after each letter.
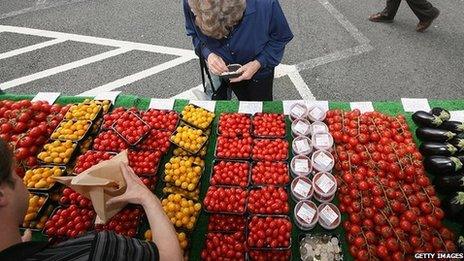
x: 198, y: 235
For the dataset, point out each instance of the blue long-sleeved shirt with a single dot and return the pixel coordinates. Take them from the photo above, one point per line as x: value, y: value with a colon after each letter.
x: 261, y: 35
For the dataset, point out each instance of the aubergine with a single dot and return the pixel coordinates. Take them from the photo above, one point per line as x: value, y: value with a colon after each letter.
x: 458, y: 143
x: 460, y: 241
x: 441, y: 113
x: 449, y: 184
x: 431, y: 134
x: 454, y: 206
x: 425, y: 119
x: 442, y: 165
x: 437, y: 148
x: 454, y: 126
x: 461, y: 244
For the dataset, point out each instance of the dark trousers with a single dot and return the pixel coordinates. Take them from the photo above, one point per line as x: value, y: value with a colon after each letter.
x: 252, y: 90
x: 421, y: 8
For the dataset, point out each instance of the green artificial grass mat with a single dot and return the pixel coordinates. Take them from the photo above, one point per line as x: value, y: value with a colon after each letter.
x: 198, y: 236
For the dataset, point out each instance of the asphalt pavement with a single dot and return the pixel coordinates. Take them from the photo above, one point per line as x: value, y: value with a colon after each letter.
x: 339, y: 54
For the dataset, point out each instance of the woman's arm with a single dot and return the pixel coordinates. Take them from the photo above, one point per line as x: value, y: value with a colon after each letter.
x: 279, y: 34
x: 164, y: 234
x: 200, y: 49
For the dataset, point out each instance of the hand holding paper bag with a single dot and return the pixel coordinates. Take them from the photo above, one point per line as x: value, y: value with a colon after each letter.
x: 101, y: 183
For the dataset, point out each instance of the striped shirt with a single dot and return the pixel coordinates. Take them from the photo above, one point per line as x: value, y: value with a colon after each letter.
x: 105, y: 245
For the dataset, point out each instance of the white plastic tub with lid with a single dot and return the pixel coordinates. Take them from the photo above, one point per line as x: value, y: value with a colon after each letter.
x: 322, y: 160
x: 306, y: 215
x: 302, y: 189
x: 301, y: 166
x: 325, y: 187
x: 329, y: 216
x: 301, y: 127
x: 302, y: 146
x: 298, y: 111
x: 319, y: 127
x: 316, y: 114
x: 322, y: 141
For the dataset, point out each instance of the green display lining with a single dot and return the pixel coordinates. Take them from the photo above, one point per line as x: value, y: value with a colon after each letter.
x: 198, y: 235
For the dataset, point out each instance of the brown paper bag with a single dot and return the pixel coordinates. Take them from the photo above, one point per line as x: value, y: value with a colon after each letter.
x: 101, y: 183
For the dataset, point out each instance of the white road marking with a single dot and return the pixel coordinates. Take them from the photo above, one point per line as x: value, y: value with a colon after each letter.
x: 189, y: 94
x: 185, y: 55
x: 335, y: 56
x: 137, y: 76
x: 30, y: 48
x: 301, y: 86
x: 344, y: 22
x: 40, y: 5
x: 62, y: 68
x: 100, y: 41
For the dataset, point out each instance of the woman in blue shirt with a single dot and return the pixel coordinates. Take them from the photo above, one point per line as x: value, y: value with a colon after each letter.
x: 252, y: 33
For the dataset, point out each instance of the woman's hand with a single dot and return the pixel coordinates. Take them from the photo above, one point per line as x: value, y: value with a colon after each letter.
x: 248, y: 71
x: 136, y: 191
x: 216, y: 64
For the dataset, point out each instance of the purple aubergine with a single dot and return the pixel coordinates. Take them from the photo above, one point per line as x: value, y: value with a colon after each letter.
x: 449, y: 184
x: 437, y: 148
x: 431, y: 134
x: 442, y: 165
x: 425, y: 119
x: 441, y: 113
x: 453, y: 126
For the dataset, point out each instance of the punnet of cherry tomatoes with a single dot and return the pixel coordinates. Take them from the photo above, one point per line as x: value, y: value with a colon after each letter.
x: 392, y: 207
x: 27, y: 126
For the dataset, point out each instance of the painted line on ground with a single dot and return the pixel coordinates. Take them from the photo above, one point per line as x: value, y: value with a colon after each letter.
x: 30, y: 48
x: 136, y: 77
x: 344, y: 22
x: 40, y: 5
x: 100, y: 41
x: 301, y: 85
x: 62, y: 68
x: 336, y: 56
x: 189, y: 94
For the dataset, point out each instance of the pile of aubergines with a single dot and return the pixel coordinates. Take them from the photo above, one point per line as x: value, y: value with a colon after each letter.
x: 443, y: 150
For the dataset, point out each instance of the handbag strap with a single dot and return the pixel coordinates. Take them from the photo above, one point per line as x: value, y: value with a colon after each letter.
x: 204, y: 69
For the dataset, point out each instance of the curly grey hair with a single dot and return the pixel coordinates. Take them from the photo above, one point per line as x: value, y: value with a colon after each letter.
x: 216, y: 18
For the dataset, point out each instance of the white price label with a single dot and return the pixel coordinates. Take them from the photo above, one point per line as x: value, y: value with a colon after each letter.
x: 298, y: 110
x: 362, y: 106
x: 325, y: 183
x: 208, y: 105
x: 328, y: 215
x: 49, y: 97
x: 302, y: 145
x: 111, y: 96
x: 322, y: 140
x: 323, y: 160
x: 302, y: 188
x: 250, y: 107
x: 413, y: 105
x: 318, y: 128
x: 306, y: 213
x: 316, y: 113
x: 162, y: 104
x: 301, y: 165
x: 457, y: 116
x: 301, y: 127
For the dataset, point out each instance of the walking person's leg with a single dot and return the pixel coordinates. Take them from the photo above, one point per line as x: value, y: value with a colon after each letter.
x: 254, y: 90
x: 425, y: 11
x: 388, y: 14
